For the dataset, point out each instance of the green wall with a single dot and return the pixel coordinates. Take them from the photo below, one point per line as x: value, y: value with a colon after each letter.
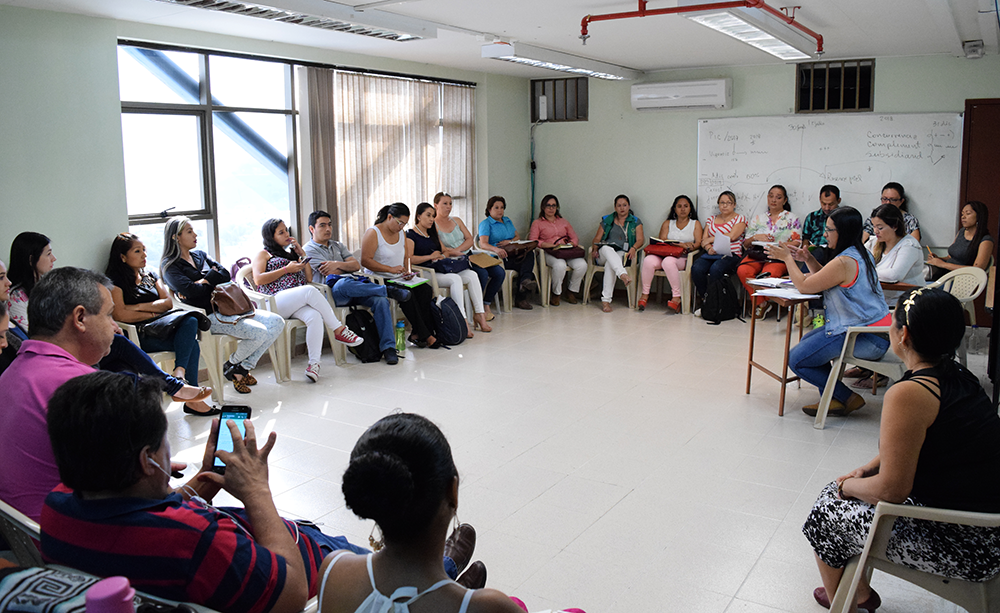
x: 652, y: 155
x: 61, y: 170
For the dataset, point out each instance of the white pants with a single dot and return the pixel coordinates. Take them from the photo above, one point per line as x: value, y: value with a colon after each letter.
x: 454, y: 281
x: 307, y: 304
x: 613, y: 268
x: 558, y: 266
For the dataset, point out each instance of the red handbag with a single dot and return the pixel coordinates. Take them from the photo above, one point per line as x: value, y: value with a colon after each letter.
x: 666, y: 250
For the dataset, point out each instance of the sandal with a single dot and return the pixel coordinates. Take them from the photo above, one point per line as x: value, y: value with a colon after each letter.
x: 866, y: 382
x: 202, y: 394
x: 606, y: 307
x: 416, y: 341
x: 642, y: 305
x: 230, y: 371
x: 674, y: 305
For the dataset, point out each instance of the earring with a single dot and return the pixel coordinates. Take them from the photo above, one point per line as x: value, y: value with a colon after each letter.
x: 376, y: 545
x: 455, y: 522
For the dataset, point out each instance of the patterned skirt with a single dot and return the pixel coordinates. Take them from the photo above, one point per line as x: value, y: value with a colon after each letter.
x: 838, y: 529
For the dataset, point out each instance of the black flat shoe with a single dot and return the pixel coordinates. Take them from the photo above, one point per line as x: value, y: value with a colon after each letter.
x: 419, y: 343
x: 213, y: 411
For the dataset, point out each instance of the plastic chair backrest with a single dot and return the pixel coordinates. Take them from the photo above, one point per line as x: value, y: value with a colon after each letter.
x: 20, y: 532
x: 966, y: 283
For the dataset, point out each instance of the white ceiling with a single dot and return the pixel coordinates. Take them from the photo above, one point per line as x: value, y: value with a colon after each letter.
x: 851, y: 29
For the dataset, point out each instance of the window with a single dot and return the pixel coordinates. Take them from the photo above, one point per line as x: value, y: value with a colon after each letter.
x: 834, y: 87
x: 210, y: 137
x: 562, y: 99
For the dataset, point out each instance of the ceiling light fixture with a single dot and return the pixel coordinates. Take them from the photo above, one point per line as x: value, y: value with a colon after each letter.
x: 554, y: 60
x: 323, y: 15
x: 766, y: 28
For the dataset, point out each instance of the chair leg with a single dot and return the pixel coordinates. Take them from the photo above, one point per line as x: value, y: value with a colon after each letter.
x: 588, y: 280
x: 824, y: 402
x: 210, y: 352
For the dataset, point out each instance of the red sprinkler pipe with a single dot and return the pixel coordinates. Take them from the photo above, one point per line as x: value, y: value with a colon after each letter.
x: 713, y: 6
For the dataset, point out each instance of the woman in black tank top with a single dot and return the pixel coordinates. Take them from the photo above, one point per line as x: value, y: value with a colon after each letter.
x: 939, y: 446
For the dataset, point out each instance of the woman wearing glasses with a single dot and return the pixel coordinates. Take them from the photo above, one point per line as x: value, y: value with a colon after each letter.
x: 552, y: 232
x: 383, y: 251
x: 894, y: 194
x: 853, y: 297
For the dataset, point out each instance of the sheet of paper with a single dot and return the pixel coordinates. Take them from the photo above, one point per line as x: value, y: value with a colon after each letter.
x: 722, y: 244
x: 786, y: 293
x: 770, y: 282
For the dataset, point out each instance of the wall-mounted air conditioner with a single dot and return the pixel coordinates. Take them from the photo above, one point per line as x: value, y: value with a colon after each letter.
x: 707, y: 94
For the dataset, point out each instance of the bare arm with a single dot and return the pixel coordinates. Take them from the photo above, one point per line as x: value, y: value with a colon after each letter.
x: 484, y: 244
x: 737, y: 230
x: 907, y: 412
x: 259, y: 265
x: 664, y: 230
x: 369, y: 245
x: 837, y: 271
x: 698, y: 231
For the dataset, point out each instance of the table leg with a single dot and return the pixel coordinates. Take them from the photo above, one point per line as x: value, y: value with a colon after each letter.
x: 784, y: 363
x: 753, y: 328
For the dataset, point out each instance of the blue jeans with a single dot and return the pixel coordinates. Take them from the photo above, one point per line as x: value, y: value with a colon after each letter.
x: 811, y: 358
x: 708, y: 268
x: 185, y: 346
x: 348, y: 292
x: 125, y: 356
x: 491, y: 278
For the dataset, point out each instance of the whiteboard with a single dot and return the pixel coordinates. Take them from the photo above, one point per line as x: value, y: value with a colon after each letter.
x: 857, y: 153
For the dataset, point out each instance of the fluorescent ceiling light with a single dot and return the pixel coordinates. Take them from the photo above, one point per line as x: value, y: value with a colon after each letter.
x: 758, y: 29
x: 323, y: 15
x: 554, y: 60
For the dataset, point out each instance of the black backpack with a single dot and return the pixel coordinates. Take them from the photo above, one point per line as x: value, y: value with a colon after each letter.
x: 450, y: 324
x: 721, y: 303
x: 362, y: 323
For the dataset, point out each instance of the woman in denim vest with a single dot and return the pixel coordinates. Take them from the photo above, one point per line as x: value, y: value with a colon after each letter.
x: 853, y: 297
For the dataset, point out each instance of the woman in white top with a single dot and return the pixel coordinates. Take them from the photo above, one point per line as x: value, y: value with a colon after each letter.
x: 402, y: 476
x: 897, y: 255
x: 383, y: 251
x: 687, y: 230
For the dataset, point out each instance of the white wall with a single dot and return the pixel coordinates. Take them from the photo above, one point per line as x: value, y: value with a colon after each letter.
x: 61, y: 168
x: 652, y: 156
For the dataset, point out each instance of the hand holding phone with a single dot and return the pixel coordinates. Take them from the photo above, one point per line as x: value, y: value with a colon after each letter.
x: 224, y: 441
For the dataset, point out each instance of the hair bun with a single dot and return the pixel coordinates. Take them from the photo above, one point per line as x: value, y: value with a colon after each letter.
x: 378, y: 486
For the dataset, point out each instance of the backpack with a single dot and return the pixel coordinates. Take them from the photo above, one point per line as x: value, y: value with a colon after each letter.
x: 721, y: 303
x: 362, y: 323
x: 449, y: 322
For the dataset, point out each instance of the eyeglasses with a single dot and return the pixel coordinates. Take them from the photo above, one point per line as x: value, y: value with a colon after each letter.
x: 550, y: 206
x: 829, y: 230
x: 891, y: 200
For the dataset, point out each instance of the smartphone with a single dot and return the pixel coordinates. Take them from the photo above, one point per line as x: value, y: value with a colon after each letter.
x: 305, y: 260
x: 225, y: 440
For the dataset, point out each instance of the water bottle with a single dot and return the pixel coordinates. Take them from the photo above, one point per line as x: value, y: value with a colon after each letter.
x: 111, y: 595
x: 401, y: 338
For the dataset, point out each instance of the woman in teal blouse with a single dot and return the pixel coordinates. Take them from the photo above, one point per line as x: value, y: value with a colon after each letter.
x: 497, y: 231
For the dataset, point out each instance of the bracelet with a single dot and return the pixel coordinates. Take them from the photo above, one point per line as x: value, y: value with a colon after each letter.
x: 840, y: 488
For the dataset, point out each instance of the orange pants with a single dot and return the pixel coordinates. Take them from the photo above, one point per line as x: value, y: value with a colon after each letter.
x: 749, y: 269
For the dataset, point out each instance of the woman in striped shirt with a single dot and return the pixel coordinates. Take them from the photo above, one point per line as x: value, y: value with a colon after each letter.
x: 711, y: 265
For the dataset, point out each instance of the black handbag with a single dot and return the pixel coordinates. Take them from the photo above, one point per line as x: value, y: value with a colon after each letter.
x: 451, y: 265
x: 163, y: 327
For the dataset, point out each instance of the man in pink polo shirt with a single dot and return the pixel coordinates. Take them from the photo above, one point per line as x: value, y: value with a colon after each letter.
x: 71, y: 328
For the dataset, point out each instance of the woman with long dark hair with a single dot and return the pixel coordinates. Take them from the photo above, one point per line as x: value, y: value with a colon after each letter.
x: 777, y: 223
x: 423, y: 248
x: 681, y: 225
x: 898, y: 257
x: 938, y: 445
x: 30, y: 257
x: 894, y: 194
x: 973, y: 244
x: 140, y: 296
x: 383, y: 253
x: 853, y: 297
x: 279, y: 270
x: 193, y: 276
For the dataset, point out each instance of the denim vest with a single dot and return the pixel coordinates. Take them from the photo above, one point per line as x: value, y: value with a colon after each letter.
x: 857, y: 305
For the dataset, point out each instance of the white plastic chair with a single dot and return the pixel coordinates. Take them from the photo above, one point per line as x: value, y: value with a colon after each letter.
x: 965, y: 284
x: 506, y: 293
x: 632, y: 270
x: 889, y: 365
x: 686, y: 288
x: 215, y: 350
x: 244, y: 277
x: 163, y: 359
x: 973, y: 597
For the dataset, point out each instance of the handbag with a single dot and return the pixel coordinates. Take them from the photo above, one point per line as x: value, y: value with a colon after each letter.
x: 451, y: 265
x: 229, y: 301
x: 566, y: 253
x: 484, y: 260
x: 666, y: 250
x: 756, y: 253
x: 164, y: 326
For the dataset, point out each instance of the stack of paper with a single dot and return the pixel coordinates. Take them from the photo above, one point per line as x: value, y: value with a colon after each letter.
x: 786, y: 293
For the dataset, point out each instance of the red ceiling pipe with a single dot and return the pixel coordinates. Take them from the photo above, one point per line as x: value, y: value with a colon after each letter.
x: 713, y: 6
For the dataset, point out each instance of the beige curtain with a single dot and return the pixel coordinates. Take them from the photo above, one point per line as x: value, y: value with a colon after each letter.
x: 458, y: 160
x: 319, y: 186
x: 386, y: 134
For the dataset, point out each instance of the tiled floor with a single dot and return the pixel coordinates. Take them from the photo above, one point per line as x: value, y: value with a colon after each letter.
x: 608, y: 461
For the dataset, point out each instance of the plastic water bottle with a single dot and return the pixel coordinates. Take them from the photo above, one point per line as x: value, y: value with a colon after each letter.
x: 401, y: 337
x: 111, y: 595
